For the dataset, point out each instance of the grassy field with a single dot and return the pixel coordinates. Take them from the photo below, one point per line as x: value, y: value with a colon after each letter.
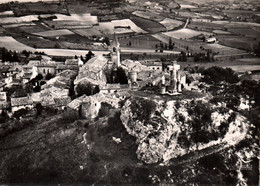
x: 68, y: 52
x: 184, y: 33
x: 54, y: 33
x: 239, y: 65
x: 22, y: 19
x: 239, y: 42
x: 249, y: 32
x: 38, y: 8
x: 11, y: 44
x: 148, y: 25
x: 88, y: 32
x: 140, y: 41
x: 38, y: 27
x: 171, y: 23
x: 148, y: 15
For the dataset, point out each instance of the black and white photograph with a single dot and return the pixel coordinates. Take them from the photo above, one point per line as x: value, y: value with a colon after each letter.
x: 129, y: 92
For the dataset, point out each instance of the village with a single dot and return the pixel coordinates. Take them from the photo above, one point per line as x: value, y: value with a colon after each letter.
x: 51, y: 83
x: 129, y: 92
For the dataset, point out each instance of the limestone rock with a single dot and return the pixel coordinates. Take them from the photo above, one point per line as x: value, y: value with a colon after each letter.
x: 168, y: 129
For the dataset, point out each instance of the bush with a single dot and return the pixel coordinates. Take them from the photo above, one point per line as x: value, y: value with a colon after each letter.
x: 216, y: 74
x: 104, y: 110
x: 68, y: 117
x: 19, y: 113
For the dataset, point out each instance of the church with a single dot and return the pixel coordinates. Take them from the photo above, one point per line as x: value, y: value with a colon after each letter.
x: 96, y: 70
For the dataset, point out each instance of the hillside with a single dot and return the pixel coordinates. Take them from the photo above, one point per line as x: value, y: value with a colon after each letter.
x: 53, y: 151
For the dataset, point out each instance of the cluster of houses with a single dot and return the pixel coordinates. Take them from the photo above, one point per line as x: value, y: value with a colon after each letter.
x: 16, y: 74
x: 55, y: 92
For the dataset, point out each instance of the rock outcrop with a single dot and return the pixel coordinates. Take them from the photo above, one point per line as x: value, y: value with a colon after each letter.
x: 168, y: 129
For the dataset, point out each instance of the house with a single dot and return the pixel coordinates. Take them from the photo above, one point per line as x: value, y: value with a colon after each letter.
x: 90, y: 109
x: 77, y: 62
x: 47, y: 68
x: 112, y: 88
x: 93, y: 71
x: 21, y: 103
x: 61, y: 103
x: 155, y: 66
x: 60, y: 68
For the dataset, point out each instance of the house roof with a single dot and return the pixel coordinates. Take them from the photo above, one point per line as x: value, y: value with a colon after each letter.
x: 67, y: 67
x: 49, y: 64
x: 21, y: 101
x: 97, y: 63
x: 62, y: 101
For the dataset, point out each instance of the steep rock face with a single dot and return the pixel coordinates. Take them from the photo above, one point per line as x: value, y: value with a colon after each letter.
x: 168, y: 129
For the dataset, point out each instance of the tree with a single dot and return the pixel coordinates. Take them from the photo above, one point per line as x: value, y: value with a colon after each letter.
x: 15, y: 57
x: 39, y: 77
x: 121, y: 76
x: 49, y: 76
x: 39, y: 109
x: 89, y: 55
x: 107, y: 41
x: 87, y: 88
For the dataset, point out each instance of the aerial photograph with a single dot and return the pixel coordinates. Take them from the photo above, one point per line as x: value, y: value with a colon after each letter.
x: 129, y: 92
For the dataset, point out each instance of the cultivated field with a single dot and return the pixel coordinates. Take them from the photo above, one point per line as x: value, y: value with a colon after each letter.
x: 34, y: 28
x: 185, y: 33
x: 109, y: 27
x: 11, y: 44
x: 68, y: 52
x: 171, y: 23
x: 239, y: 42
x: 140, y: 41
x: 221, y: 32
x: 249, y: 32
x: 187, y: 6
x: 148, y: 15
x: 148, y: 25
x: 22, y: 19
x: 223, y: 50
x: 88, y: 32
x: 53, y: 33
x: 17, y: 25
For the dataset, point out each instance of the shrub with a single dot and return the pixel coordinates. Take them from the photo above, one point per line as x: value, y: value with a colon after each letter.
x: 19, y: 113
x: 68, y: 117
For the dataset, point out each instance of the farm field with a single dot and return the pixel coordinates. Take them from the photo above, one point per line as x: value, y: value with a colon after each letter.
x: 88, y: 32
x: 22, y: 19
x: 239, y: 42
x: 161, y: 37
x: 221, y: 32
x: 38, y: 27
x: 68, y: 24
x: 148, y: 25
x: 171, y: 23
x: 239, y: 65
x: 18, y: 25
x: 249, y: 32
x: 68, y: 52
x: 11, y: 44
x: 53, y: 33
x: 109, y: 27
x: 187, y: 6
x: 223, y: 50
x: 36, y: 42
x: 140, y: 41
x: 184, y: 33
x: 77, y: 17
x: 39, y: 8
x: 147, y: 15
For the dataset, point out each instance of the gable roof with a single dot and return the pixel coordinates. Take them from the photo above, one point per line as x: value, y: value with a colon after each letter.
x: 22, y: 101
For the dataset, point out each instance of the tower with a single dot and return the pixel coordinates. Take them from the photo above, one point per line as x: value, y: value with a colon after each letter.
x: 115, y: 51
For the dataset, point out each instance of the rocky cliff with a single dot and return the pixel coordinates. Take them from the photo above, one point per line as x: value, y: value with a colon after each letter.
x: 168, y: 129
